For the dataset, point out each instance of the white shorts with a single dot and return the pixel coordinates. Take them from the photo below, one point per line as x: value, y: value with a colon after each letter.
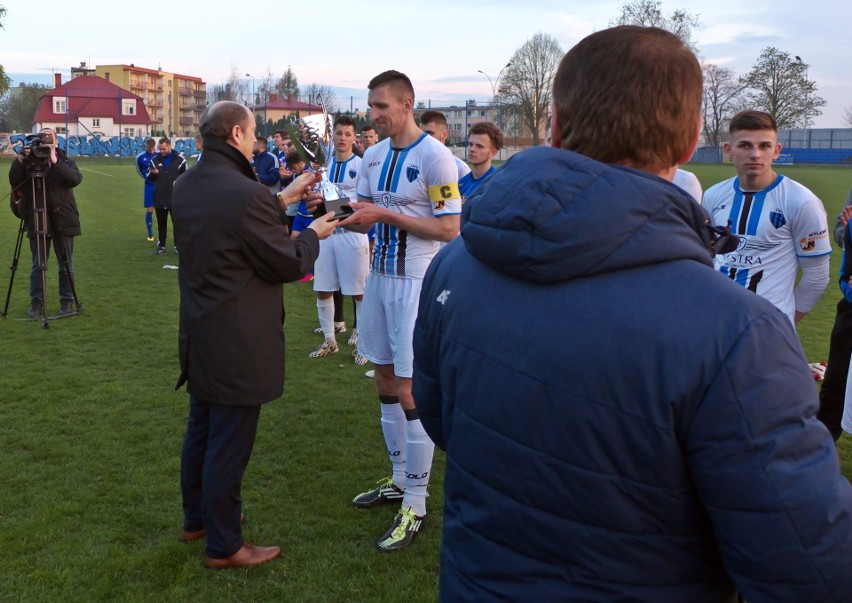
x: 386, y: 322
x: 343, y: 263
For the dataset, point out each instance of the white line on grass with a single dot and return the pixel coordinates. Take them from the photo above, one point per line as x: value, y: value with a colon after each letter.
x: 96, y: 172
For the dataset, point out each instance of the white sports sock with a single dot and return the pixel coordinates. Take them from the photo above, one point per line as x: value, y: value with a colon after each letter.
x: 393, y: 428
x: 325, y: 311
x: 418, y: 467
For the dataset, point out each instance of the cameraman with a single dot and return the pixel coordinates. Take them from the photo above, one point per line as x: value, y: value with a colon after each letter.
x: 63, y: 220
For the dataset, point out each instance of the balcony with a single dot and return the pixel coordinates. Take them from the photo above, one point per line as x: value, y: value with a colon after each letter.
x: 184, y: 91
x: 200, y: 94
x: 137, y: 86
x: 155, y: 103
x: 186, y: 121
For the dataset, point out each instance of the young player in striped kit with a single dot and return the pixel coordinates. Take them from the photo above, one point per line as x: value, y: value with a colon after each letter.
x: 781, y: 224
x: 343, y: 261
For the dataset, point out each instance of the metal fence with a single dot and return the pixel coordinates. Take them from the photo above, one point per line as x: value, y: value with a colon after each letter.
x: 832, y: 146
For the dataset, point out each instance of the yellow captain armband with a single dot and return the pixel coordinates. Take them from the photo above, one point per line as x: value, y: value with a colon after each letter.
x: 441, y: 193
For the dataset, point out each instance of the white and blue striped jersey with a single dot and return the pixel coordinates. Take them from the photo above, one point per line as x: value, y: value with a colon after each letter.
x: 421, y: 181
x: 688, y: 182
x: 345, y: 174
x: 776, y: 226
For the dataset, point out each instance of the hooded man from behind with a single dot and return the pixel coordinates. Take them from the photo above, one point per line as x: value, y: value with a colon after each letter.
x: 641, y: 429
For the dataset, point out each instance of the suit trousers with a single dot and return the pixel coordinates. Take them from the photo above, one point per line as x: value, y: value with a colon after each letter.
x: 833, y: 390
x: 216, y: 451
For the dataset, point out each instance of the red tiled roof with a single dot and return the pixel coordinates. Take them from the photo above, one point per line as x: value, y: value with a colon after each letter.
x: 189, y: 78
x: 90, y: 96
x: 134, y: 68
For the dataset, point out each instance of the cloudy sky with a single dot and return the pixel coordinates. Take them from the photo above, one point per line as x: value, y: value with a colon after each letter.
x: 440, y: 44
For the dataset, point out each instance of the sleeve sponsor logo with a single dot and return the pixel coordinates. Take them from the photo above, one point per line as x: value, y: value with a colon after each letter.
x: 809, y: 242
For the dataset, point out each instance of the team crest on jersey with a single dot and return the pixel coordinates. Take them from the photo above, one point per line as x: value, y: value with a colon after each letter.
x: 352, y: 174
x: 411, y: 172
x: 777, y: 218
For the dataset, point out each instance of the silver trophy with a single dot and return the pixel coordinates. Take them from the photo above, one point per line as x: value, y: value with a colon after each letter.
x: 312, y: 137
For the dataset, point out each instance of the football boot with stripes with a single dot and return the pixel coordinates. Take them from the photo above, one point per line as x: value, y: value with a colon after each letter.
x: 405, y: 527
x: 385, y: 492
x: 325, y: 348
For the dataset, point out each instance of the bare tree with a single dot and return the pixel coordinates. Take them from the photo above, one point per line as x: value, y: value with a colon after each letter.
x: 526, y: 87
x: 18, y: 107
x: 316, y: 94
x: 648, y: 13
x: 218, y: 92
x: 5, y: 80
x: 779, y: 85
x: 722, y: 95
x: 287, y: 85
x: 265, y: 85
x: 847, y: 116
x: 239, y: 86
x: 235, y: 88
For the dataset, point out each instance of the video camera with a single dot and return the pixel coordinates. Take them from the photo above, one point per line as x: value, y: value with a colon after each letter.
x: 39, y: 144
x: 36, y: 152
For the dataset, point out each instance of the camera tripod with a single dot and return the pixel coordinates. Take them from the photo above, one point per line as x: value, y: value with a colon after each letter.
x: 42, y: 239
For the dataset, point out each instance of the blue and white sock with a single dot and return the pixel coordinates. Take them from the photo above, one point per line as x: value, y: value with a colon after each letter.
x: 394, y: 430
x: 418, y: 466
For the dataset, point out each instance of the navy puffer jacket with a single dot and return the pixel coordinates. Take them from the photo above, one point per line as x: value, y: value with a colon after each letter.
x: 621, y: 422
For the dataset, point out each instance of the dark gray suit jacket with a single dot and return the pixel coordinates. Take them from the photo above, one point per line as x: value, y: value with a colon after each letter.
x: 234, y: 255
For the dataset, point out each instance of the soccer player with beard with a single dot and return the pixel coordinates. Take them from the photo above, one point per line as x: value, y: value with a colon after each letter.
x: 408, y: 187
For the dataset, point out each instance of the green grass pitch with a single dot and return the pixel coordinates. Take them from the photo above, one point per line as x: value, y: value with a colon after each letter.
x: 91, y: 428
